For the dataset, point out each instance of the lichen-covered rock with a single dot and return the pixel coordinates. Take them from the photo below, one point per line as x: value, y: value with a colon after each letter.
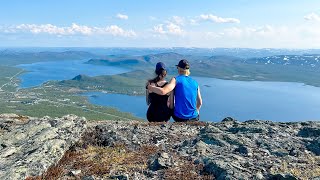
x: 227, y: 150
x: 314, y: 146
x: 140, y: 150
x: 161, y: 161
x: 30, y: 145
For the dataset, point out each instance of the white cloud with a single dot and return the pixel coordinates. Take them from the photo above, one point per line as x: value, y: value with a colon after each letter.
x: 169, y: 28
x: 312, y: 17
x: 159, y: 29
x: 266, y: 31
x: 267, y: 36
x: 216, y: 19
x: 178, y: 20
x: 174, y: 29
x: 44, y: 28
x: 52, y: 29
x: 122, y: 16
x: 80, y: 29
x: 74, y: 29
x: 305, y: 35
x: 117, y: 31
x: 193, y: 22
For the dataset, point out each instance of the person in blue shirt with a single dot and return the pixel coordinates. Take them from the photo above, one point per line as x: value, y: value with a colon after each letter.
x: 186, y: 93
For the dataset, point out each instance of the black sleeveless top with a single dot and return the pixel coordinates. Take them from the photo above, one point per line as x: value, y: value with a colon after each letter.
x: 158, y: 110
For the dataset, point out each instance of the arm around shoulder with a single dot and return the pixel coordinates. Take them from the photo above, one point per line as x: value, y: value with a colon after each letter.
x: 166, y: 89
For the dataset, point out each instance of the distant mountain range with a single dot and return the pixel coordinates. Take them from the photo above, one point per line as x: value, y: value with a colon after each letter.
x: 290, y: 68
x: 288, y: 65
x: 311, y: 60
x: 308, y: 60
x: 11, y: 58
x: 238, y: 52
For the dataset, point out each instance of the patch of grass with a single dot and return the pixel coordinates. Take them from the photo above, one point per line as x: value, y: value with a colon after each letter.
x: 187, y: 171
x: 100, y: 161
x: 107, y: 161
x: 57, y: 171
x: 56, y: 102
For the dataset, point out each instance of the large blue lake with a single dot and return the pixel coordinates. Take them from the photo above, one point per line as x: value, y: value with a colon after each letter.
x: 277, y: 101
x: 41, y: 72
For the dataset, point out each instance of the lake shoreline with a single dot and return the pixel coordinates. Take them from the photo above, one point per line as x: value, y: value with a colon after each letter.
x: 222, y: 98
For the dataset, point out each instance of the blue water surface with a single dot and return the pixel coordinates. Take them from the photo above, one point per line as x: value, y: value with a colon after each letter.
x: 243, y: 100
x: 41, y: 72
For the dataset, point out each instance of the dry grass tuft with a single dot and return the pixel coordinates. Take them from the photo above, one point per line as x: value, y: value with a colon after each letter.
x: 106, y: 161
x: 22, y: 118
x: 187, y: 171
x: 88, y: 138
x: 57, y: 171
x: 100, y: 161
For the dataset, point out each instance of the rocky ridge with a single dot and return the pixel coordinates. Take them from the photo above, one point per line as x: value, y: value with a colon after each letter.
x: 28, y: 146
x: 139, y: 150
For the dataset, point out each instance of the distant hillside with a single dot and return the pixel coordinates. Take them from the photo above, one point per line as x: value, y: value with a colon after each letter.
x: 128, y: 83
x: 12, y: 58
x: 6, y: 73
x: 140, y: 62
x: 120, y: 62
x: 287, y: 68
x: 312, y: 61
x: 170, y: 58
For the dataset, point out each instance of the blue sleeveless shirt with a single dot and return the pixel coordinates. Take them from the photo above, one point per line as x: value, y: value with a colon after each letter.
x: 185, y: 95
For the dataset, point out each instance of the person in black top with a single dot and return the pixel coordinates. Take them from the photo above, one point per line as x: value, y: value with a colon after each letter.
x: 158, y: 110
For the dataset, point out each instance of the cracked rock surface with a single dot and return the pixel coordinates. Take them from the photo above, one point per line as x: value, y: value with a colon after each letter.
x: 28, y: 145
x: 228, y: 149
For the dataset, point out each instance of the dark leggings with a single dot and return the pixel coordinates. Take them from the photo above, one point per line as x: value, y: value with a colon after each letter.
x: 156, y: 114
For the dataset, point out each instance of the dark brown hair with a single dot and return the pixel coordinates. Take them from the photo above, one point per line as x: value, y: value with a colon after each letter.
x: 160, y: 73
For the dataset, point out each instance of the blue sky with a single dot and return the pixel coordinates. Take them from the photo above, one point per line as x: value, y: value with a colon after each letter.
x: 160, y: 23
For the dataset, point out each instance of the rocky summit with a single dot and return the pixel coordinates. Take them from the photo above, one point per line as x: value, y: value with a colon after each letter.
x: 73, y: 148
x: 28, y: 146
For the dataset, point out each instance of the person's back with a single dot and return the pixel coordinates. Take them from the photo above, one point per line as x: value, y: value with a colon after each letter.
x: 158, y: 110
x: 185, y: 95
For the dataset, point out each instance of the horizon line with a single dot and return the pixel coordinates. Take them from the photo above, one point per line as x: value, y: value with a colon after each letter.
x: 136, y: 47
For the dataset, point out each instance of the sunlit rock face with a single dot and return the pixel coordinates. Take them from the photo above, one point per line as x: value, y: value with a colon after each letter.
x: 28, y: 145
x: 229, y: 149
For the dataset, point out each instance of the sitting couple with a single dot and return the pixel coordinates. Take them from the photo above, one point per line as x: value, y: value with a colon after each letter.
x: 182, y: 94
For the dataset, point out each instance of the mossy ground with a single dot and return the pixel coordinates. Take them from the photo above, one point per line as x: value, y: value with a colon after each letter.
x: 105, y: 162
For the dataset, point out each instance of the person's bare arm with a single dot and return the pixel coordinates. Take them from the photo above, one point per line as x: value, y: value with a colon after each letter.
x: 165, y: 90
x: 199, y: 100
x: 171, y: 100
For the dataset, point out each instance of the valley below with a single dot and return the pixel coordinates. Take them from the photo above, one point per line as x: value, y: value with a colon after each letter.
x: 51, y: 129
x: 54, y: 82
